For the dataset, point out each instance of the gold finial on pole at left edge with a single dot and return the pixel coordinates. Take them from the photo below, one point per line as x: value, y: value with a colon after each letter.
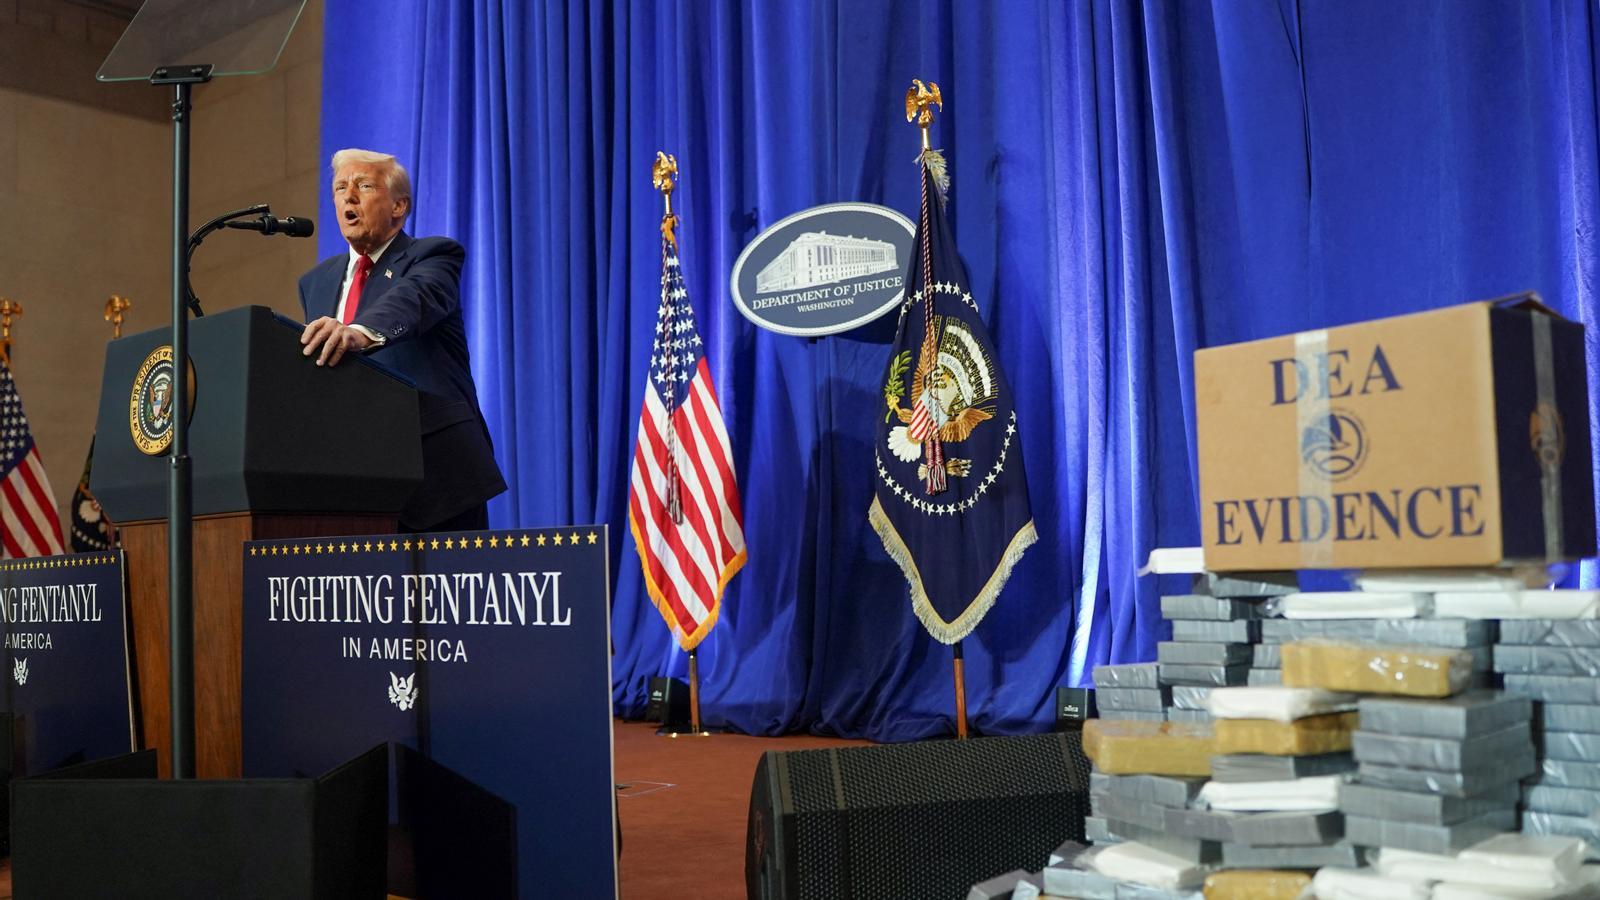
x: 8, y: 309
x: 920, y: 100
x: 115, y: 308
x: 661, y: 175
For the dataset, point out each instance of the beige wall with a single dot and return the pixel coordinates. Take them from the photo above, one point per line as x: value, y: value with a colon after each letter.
x: 85, y: 199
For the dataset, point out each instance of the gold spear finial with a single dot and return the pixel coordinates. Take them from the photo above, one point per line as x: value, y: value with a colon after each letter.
x: 661, y: 175
x: 8, y: 309
x: 115, y: 307
x: 920, y: 100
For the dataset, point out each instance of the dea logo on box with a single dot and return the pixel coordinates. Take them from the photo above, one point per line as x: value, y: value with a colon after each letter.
x: 1335, y: 445
x: 824, y: 270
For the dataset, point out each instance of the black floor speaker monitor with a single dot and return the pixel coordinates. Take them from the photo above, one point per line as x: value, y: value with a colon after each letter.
x: 925, y: 820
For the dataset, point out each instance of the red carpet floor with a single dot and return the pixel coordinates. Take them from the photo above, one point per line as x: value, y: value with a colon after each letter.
x: 683, y: 812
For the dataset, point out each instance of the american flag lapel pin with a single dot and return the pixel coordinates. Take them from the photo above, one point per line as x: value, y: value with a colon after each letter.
x: 388, y: 273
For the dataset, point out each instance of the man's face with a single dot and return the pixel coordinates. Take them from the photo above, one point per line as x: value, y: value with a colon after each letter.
x: 368, y: 214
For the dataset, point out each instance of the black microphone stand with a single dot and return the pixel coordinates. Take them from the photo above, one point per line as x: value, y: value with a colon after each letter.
x: 201, y: 234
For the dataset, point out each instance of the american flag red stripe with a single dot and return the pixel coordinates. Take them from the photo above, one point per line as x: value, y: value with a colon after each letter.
x: 689, y: 557
x: 29, y: 525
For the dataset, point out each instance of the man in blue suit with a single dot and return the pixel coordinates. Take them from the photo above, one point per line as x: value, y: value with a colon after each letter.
x: 399, y: 299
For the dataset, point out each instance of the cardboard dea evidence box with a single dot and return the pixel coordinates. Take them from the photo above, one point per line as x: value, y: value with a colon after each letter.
x: 1456, y: 437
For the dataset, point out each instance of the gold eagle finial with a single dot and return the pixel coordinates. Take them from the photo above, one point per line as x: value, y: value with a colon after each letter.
x: 920, y: 100
x: 116, y: 307
x: 661, y: 176
x: 8, y: 309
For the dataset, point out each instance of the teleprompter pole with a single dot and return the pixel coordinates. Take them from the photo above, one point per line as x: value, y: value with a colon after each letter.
x: 180, y: 506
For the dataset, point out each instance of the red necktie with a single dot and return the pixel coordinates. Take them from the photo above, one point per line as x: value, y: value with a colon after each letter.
x: 357, y: 282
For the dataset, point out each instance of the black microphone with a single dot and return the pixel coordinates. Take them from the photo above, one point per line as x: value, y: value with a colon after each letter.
x: 267, y: 223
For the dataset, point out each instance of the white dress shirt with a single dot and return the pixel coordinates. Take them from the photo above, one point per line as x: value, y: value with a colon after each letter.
x: 344, y: 289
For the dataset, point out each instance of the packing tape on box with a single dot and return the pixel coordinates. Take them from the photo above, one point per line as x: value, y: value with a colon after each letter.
x: 1207, y: 676
x: 1311, y: 411
x: 1149, y: 748
x: 1097, y: 831
x: 1259, y: 884
x: 1548, y: 442
x: 1175, y: 714
x: 1018, y: 885
x: 1405, y: 671
x: 1308, y: 736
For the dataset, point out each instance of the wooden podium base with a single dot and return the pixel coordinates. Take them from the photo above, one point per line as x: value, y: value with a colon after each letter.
x: 218, y: 618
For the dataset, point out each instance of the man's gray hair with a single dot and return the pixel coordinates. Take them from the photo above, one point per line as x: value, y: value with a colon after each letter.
x: 394, y: 174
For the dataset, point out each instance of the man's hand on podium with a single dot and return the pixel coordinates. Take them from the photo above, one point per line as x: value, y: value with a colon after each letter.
x: 333, y: 339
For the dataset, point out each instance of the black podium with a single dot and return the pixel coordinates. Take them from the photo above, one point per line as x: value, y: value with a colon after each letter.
x: 282, y: 448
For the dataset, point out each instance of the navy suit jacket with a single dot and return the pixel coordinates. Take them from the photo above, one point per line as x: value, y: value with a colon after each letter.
x: 413, y: 298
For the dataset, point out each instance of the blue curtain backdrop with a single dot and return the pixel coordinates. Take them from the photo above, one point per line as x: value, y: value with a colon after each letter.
x: 1131, y: 181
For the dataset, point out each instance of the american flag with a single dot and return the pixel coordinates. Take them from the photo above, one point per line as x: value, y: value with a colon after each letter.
x: 683, y: 506
x: 28, y: 522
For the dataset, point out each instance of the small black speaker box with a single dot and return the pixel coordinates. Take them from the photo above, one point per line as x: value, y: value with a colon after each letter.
x: 1073, y: 706
x: 926, y: 820
x: 669, y: 702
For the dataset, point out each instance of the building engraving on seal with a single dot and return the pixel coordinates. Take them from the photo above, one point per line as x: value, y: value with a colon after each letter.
x: 818, y: 257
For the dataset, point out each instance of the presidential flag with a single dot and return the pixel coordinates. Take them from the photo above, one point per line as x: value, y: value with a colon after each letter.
x: 92, y: 530
x: 683, y: 506
x: 28, y: 522
x: 951, y: 498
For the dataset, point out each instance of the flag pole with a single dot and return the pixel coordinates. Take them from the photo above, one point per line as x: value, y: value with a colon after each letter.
x: 694, y: 693
x: 961, y: 694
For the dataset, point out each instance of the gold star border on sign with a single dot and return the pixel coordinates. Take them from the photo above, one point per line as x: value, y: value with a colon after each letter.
x: 348, y: 546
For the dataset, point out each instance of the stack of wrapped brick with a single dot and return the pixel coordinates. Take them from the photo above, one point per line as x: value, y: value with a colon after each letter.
x: 1555, y: 663
x: 1214, y: 634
